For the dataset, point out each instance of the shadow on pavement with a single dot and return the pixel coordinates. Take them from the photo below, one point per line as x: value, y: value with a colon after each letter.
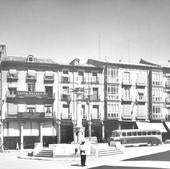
x: 163, y: 156
x: 120, y: 167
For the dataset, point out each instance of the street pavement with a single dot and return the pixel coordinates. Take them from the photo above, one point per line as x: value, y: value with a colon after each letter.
x: 20, y: 160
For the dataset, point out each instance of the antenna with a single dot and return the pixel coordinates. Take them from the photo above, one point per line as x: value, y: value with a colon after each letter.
x: 128, y: 50
x: 99, y: 45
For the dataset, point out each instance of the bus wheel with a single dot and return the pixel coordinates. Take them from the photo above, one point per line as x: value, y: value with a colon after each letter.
x: 150, y: 143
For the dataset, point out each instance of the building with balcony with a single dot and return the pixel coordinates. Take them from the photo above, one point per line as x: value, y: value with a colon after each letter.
x: 126, y: 94
x: 40, y: 103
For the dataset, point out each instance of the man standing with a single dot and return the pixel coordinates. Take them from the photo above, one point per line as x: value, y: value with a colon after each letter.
x: 83, y: 153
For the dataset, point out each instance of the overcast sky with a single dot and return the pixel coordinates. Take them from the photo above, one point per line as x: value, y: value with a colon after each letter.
x: 107, y: 29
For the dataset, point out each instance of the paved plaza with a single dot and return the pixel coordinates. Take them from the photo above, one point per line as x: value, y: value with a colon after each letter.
x: 20, y: 160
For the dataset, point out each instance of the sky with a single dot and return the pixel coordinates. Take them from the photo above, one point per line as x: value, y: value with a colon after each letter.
x: 111, y: 30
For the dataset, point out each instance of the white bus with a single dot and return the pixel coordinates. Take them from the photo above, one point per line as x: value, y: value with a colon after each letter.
x: 136, y: 137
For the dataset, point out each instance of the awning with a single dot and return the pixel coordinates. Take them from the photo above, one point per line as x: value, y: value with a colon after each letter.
x: 168, y: 125
x: 151, y: 126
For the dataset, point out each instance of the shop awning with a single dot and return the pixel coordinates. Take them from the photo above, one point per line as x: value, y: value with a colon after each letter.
x: 168, y: 125
x: 151, y: 126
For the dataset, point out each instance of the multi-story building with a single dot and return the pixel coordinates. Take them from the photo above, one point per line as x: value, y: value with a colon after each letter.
x: 133, y: 92
x: 40, y: 103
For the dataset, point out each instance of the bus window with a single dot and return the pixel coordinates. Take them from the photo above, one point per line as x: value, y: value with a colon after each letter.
x: 129, y: 133
x: 139, y: 133
x: 123, y: 134
x: 154, y: 133
x: 134, y: 133
x: 144, y: 133
x: 149, y: 132
x: 115, y: 134
x: 159, y: 133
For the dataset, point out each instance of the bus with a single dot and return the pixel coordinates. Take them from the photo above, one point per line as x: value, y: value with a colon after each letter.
x: 136, y: 137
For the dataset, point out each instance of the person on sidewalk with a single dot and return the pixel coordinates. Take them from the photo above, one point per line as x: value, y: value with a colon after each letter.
x: 83, y: 152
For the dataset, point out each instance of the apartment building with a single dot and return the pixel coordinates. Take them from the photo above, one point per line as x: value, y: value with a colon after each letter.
x: 87, y: 79
x: 133, y: 93
x: 40, y: 101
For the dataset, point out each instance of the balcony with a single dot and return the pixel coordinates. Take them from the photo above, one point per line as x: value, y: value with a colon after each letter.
x: 127, y: 99
x: 12, y: 77
x: 65, y: 79
x: 141, y: 99
x: 31, y: 78
x: 111, y: 97
x: 30, y: 97
x: 113, y: 80
x: 126, y: 116
x: 140, y: 117
x: 34, y: 115
x: 94, y: 98
x: 141, y: 84
x: 127, y: 83
x: 48, y: 79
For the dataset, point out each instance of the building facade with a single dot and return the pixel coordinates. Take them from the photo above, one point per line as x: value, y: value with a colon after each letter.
x: 40, y: 103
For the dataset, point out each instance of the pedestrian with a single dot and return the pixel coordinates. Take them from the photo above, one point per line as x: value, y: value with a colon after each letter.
x: 83, y: 153
x: 17, y: 146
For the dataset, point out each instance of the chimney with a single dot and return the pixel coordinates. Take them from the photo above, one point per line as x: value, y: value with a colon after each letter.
x: 2, y: 51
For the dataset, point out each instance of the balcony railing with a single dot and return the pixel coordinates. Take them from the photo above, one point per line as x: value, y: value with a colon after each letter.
x: 48, y: 79
x: 126, y: 99
x: 140, y: 84
x: 12, y: 77
x: 126, y: 82
x: 94, y: 98
x: 31, y: 78
x: 140, y: 116
x: 31, y: 94
x: 30, y: 97
x: 126, y: 116
x: 141, y: 99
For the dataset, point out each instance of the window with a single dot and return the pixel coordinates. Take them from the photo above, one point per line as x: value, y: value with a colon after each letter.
x: 126, y: 77
x: 12, y: 91
x: 123, y: 134
x: 49, y: 91
x: 113, y: 110
x: 126, y: 93
x: 31, y: 108
x: 112, y: 74
x: 139, y: 133
x: 112, y: 92
x: 134, y: 133
x: 95, y: 112
x: 48, y: 108
x: 83, y: 111
x: 66, y: 112
x: 95, y: 93
x: 31, y: 87
x: 12, y: 108
x: 65, y: 71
